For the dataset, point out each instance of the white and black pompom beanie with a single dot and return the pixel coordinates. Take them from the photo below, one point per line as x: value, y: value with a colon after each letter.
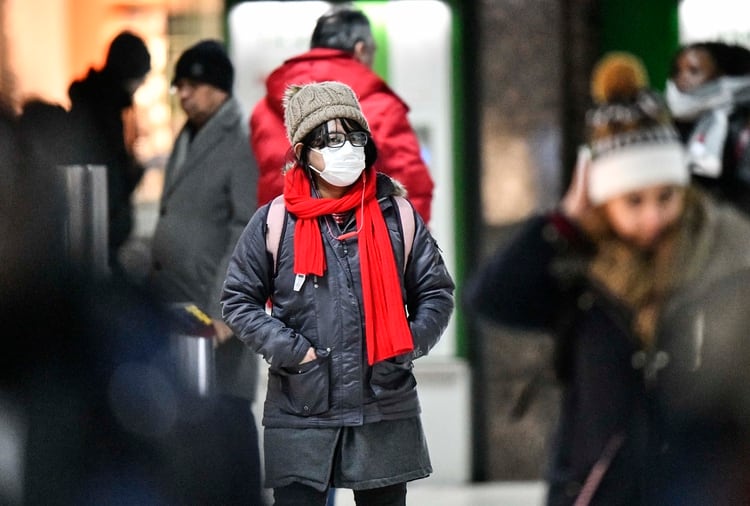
x: 631, y: 138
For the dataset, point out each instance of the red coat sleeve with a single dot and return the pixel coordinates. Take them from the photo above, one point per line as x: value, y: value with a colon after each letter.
x: 270, y: 145
x: 399, y: 153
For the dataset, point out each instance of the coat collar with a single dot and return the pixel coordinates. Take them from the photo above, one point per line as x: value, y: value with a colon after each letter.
x: 203, y: 143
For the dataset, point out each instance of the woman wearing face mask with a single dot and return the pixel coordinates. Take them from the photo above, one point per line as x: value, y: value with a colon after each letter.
x: 704, y: 76
x: 351, y: 309
x: 708, y: 93
x: 644, y: 283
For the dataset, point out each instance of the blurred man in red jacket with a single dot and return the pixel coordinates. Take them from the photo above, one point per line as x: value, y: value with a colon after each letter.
x: 342, y: 49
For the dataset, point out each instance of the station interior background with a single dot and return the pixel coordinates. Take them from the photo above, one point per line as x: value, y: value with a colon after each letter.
x: 497, y: 90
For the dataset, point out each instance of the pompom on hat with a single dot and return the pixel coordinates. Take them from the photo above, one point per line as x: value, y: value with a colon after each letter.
x: 631, y: 138
x: 310, y: 105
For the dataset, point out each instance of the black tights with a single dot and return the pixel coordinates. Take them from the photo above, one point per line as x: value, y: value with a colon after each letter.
x: 301, y: 495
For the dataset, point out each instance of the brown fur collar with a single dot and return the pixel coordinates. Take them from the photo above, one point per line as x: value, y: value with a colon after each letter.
x: 644, y: 281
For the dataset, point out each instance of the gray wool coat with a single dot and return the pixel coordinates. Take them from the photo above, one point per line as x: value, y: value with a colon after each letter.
x: 208, y: 198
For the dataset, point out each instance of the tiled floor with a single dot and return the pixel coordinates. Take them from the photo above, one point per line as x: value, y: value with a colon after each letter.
x: 480, y: 494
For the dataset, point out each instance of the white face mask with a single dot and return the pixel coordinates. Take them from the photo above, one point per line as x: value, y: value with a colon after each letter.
x: 343, y: 165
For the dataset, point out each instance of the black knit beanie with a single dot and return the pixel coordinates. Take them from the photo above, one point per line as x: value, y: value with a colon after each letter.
x: 128, y: 57
x: 206, y: 62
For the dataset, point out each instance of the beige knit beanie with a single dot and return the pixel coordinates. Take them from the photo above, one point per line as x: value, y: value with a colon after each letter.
x: 310, y: 105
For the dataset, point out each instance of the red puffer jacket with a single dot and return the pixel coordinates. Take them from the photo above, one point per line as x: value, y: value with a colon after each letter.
x: 398, y: 146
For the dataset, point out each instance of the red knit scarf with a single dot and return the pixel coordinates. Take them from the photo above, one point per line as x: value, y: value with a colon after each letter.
x: 387, y: 330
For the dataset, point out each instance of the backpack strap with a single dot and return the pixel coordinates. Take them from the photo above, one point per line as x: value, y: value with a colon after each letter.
x: 275, y: 226
x: 408, y: 226
x: 277, y: 213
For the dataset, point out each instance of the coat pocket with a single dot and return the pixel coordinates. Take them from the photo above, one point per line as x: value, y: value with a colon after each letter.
x: 306, y: 387
x: 392, y: 377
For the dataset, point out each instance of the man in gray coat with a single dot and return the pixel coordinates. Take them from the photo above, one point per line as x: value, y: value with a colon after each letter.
x: 208, y: 198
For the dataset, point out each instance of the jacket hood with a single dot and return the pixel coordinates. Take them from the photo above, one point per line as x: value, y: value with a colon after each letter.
x: 722, y: 246
x: 389, y: 187
x: 322, y: 64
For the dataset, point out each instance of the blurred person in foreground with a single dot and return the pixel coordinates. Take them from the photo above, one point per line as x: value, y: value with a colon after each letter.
x: 208, y: 198
x: 45, y: 130
x: 643, y: 281
x: 708, y: 93
x: 342, y: 49
x: 101, y: 104
x: 90, y: 412
x: 350, y: 312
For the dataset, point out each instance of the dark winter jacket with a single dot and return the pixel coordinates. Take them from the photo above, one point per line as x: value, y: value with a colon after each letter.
x: 672, y: 404
x: 398, y: 147
x: 338, y: 388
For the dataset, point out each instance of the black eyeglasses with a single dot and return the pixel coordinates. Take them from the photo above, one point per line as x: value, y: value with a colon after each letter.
x: 337, y: 139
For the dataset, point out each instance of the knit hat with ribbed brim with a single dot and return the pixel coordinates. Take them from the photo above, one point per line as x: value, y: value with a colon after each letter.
x: 632, y: 141
x: 206, y: 62
x: 310, y: 105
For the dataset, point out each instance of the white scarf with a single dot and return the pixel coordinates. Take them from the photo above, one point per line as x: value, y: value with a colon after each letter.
x: 718, y: 93
x: 711, y: 104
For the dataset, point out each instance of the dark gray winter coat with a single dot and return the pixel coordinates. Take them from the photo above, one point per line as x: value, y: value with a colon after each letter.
x: 338, y: 388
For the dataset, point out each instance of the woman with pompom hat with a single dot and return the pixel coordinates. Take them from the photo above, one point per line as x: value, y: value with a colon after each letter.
x: 643, y: 281
x: 351, y: 307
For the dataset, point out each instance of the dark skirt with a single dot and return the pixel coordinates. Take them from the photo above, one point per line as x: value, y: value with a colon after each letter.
x: 368, y: 456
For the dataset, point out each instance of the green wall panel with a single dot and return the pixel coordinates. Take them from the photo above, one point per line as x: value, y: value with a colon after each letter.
x: 647, y: 28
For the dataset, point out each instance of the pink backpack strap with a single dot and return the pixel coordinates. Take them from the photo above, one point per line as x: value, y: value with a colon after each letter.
x: 275, y: 225
x: 406, y: 212
x: 277, y: 212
